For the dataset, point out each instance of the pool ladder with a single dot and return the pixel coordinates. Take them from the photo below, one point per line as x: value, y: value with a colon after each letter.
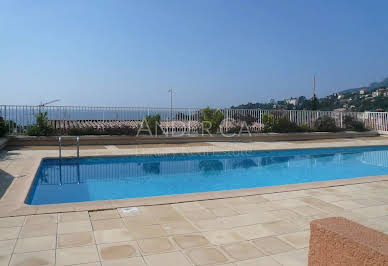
x: 60, y: 160
x: 60, y: 148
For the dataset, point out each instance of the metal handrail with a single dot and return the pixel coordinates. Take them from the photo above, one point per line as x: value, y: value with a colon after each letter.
x: 60, y: 146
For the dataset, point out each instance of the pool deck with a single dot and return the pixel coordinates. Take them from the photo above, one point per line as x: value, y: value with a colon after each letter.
x: 263, y: 226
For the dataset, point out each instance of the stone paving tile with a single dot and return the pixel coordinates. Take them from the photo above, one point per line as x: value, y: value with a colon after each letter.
x: 6, y: 247
x: 348, y: 204
x: 107, y: 214
x: 46, y: 257
x: 167, y: 259
x: 297, y: 240
x: 135, y: 261
x: 110, y: 236
x: 42, y: 219
x: 212, y: 224
x: 307, y: 210
x: 372, y: 212
x: 35, y: 230
x: 242, y: 250
x: 297, y: 257
x: 156, y: 245
x: 177, y: 228
x: 199, y: 215
x: 12, y: 221
x: 4, y: 260
x: 75, y: 239
x: 272, y: 245
x: 118, y: 251
x: 9, y: 233
x: 35, y: 244
x: 143, y: 219
x: 222, y: 237
x: 76, y: 255
x: 146, y: 231
x: 108, y: 224
x: 190, y: 241
x: 206, y: 256
x: 223, y: 211
x: 253, y: 231
x: 263, y: 261
x: 89, y: 264
x: 73, y: 217
x: 281, y: 227
x: 74, y: 227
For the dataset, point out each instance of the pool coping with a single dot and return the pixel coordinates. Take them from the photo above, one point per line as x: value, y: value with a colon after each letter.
x: 13, y: 201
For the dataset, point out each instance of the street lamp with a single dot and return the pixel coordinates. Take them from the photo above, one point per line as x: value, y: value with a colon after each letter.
x: 170, y: 91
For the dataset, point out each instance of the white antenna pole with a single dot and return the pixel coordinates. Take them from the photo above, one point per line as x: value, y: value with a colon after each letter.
x: 170, y: 91
x: 314, y: 86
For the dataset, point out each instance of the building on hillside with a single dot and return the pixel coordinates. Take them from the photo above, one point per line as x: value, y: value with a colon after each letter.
x: 340, y: 96
x: 380, y: 92
x: 363, y: 91
x: 292, y: 101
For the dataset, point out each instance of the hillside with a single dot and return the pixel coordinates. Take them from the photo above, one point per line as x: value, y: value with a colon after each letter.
x: 374, y: 98
x: 372, y: 86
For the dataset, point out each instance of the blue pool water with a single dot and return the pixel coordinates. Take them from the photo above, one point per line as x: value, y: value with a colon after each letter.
x: 104, y: 178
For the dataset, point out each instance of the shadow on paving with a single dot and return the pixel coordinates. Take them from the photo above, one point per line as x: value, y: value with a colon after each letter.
x: 5, y: 182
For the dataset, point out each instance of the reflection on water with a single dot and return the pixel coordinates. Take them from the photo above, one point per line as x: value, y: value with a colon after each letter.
x: 377, y: 158
x: 151, y: 168
x: 211, y: 166
x: 109, y: 178
x: 267, y: 161
x: 244, y: 163
x: 92, y: 170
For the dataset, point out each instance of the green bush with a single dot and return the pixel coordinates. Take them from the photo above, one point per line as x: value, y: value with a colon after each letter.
x: 3, y: 127
x: 325, y: 124
x: 247, y: 118
x: 41, y: 128
x: 268, y: 123
x: 352, y: 123
x: 234, y: 130
x: 211, y: 119
x: 153, y: 122
x: 284, y: 125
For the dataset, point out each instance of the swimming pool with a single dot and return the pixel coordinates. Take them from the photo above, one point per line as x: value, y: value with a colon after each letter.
x: 106, y: 178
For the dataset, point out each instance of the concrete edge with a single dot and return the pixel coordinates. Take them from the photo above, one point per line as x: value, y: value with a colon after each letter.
x: 120, y: 140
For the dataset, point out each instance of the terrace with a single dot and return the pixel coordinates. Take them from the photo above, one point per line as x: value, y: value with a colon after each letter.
x: 253, y: 226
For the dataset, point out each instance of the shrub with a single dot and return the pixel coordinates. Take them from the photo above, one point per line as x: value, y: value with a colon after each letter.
x: 3, y: 127
x: 268, y: 123
x: 325, y: 124
x: 153, y: 122
x: 284, y: 125
x: 247, y: 118
x: 41, y: 128
x: 352, y: 123
x: 211, y: 119
x: 234, y: 130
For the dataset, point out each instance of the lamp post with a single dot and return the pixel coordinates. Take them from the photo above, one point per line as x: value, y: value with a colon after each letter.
x: 170, y: 91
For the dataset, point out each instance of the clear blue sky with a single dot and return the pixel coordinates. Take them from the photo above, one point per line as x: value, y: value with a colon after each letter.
x: 211, y: 52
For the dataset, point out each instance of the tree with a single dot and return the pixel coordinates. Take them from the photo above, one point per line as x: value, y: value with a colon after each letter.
x: 314, y: 103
